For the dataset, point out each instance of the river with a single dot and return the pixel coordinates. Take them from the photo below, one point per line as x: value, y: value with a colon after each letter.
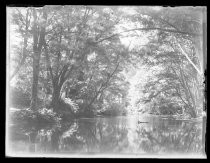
x: 123, y: 135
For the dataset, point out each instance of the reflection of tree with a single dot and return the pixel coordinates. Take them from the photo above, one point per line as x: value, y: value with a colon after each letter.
x: 184, y: 137
x: 114, y: 136
x: 87, y: 130
x: 110, y: 135
x: 98, y: 136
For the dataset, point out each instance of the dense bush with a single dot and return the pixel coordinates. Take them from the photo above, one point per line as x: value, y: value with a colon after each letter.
x: 169, y: 109
x: 19, y: 98
x: 164, y: 107
x: 41, y: 116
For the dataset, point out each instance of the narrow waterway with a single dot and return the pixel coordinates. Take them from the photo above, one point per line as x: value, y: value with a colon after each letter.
x: 116, y: 135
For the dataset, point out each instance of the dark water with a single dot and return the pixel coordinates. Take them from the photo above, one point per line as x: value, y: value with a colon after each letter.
x: 117, y: 135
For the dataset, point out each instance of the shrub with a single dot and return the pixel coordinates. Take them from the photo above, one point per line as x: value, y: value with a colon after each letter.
x: 41, y: 116
x: 73, y: 106
x: 19, y: 98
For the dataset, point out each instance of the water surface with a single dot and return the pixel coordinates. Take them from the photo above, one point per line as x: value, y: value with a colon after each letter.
x: 115, y: 135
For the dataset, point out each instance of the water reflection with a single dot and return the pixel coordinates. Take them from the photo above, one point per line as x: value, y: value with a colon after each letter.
x: 170, y: 136
x: 109, y: 135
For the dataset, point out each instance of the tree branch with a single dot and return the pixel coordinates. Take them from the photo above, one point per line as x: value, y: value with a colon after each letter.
x: 103, y: 86
x: 150, y: 29
x: 62, y: 74
x: 68, y: 73
x: 186, y: 55
x: 180, y: 96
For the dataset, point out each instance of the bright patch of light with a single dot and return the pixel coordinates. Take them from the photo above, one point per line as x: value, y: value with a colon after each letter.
x: 136, y: 77
x: 91, y: 56
x: 133, y: 38
x: 139, y: 79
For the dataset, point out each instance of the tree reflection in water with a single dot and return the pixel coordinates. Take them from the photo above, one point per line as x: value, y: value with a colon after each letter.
x: 170, y: 136
x: 110, y: 135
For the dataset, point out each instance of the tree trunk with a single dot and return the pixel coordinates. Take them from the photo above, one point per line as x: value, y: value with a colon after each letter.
x: 36, y: 58
x: 38, y: 42
x: 56, y: 98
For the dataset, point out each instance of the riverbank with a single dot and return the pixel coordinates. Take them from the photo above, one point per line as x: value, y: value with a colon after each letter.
x: 48, y: 116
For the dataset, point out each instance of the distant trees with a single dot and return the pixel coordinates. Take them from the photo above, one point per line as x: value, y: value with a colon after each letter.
x: 176, y: 50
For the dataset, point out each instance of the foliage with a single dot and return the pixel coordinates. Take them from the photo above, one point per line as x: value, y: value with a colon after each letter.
x: 73, y: 105
x: 29, y: 116
x: 176, y: 76
x: 66, y: 50
x: 72, y: 57
x: 19, y: 99
x: 113, y: 109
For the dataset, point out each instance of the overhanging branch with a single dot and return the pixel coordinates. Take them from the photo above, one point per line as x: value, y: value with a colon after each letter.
x: 150, y: 29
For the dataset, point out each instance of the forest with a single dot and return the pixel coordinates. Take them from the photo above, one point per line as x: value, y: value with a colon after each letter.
x: 68, y: 62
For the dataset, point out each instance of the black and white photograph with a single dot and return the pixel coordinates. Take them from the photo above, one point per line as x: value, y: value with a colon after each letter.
x: 96, y: 81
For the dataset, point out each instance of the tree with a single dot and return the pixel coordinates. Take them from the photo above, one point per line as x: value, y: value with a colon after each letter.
x: 177, y: 29
x: 69, y: 44
x: 38, y: 32
x: 23, y: 23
